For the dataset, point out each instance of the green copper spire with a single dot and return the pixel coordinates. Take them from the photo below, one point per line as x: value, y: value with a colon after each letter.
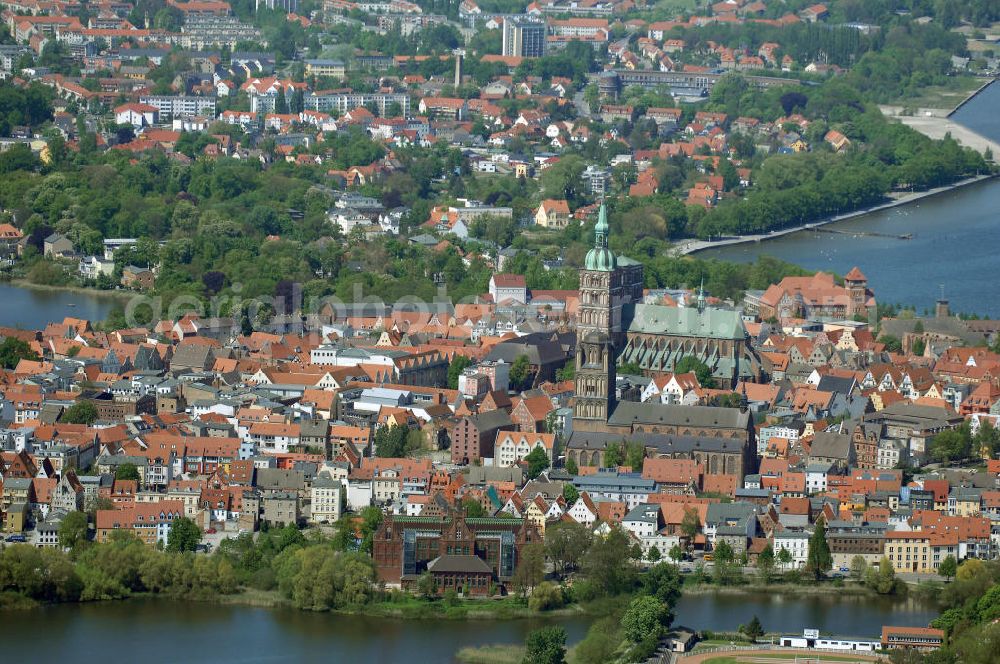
x: 602, y: 221
x: 600, y: 257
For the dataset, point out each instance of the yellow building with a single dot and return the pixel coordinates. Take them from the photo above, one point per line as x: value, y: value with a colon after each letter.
x: 332, y: 68
x: 909, y: 551
x: 534, y: 513
x: 552, y: 214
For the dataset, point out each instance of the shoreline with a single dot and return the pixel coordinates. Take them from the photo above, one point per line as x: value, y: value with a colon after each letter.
x: 692, y: 247
x: 414, y: 609
x: 79, y: 290
x: 972, y: 96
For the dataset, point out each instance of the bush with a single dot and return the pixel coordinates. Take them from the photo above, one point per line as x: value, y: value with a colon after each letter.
x: 263, y: 579
x: 545, y: 597
x: 600, y: 643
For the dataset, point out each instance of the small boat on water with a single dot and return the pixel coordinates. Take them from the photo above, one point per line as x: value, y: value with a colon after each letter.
x: 71, y: 304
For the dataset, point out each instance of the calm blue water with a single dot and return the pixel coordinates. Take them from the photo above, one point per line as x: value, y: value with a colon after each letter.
x: 980, y: 114
x: 955, y: 244
x: 161, y: 631
x: 30, y: 308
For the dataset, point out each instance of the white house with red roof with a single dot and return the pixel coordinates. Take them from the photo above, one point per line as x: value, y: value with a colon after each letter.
x: 136, y: 114
x: 508, y: 288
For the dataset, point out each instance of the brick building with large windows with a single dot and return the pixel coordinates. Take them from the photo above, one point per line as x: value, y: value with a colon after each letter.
x: 458, y: 549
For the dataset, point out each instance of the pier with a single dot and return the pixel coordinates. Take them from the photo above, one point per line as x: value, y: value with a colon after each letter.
x: 837, y: 231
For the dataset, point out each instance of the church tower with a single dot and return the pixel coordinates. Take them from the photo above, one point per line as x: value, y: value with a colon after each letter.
x: 597, y: 330
x: 856, y: 284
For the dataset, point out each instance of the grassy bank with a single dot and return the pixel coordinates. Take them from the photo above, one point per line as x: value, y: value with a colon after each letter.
x: 405, y: 607
x: 853, y: 589
x: 96, y: 292
x: 499, y: 653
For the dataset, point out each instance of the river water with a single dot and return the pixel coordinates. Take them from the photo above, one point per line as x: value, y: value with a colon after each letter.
x: 34, y: 308
x: 954, y: 248
x: 161, y: 631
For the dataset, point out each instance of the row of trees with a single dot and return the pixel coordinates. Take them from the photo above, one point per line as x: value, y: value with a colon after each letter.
x: 959, y: 444
x: 115, y: 570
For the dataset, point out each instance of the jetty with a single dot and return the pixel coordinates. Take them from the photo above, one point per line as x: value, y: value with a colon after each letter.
x: 837, y: 231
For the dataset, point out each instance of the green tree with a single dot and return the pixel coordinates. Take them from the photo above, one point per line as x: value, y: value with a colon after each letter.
x: 635, y: 455
x: 600, y: 643
x: 614, y: 455
x: 784, y: 557
x: 723, y: 552
x: 643, y: 619
x: 608, y: 563
x: 538, y: 461
x: 371, y: 519
x: 73, y: 530
x: 948, y: 567
x: 530, y: 570
x: 571, y: 467
x: 545, y: 646
x: 676, y: 553
x: 881, y: 578
x: 690, y: 363
x: 127, y: 471
x: 458, y: 364
x: 184, y: 535
x: 546, y: 596
x: 654, y: 555
x: 473, y: 508
x: 753, y: 629
x: 765, y: 563
x: 819, y: 560
x: 563, y: 180
x: 81, y: 412
x: 519, y: 371
x: 567, y: 372
x: 663, y: 581
x: 690, y: 524
x: 392, y: 441
x: 570, y: 493
x: 952, y: 445
x: 892, y: 344
x: 427, y: 586
x: 858, y: 568
x: 566, y: 543
x: 13, y: 350
x: 987, y: 440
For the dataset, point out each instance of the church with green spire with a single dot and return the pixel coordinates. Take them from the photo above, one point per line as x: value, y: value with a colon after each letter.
x: 615, y: 326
